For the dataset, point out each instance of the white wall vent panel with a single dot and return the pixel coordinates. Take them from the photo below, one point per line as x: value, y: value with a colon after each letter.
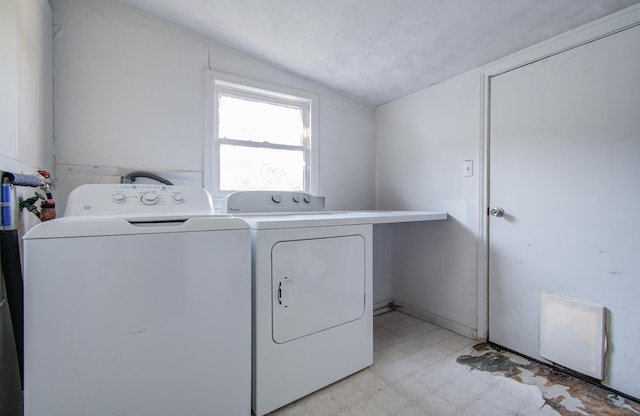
x: 572, y: 334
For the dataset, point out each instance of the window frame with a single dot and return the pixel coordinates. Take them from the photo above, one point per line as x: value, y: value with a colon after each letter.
x: 220, y: 83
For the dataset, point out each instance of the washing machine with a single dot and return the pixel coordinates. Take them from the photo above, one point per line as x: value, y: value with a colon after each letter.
x: 312, y: 289
x: 137, y: 302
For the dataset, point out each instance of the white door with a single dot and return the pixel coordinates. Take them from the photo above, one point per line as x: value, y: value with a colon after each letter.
x: 565, y: 168
x: 317, y: 284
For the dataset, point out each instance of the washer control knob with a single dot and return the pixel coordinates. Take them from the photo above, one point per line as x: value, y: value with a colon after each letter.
x: 277, y: 198
x: 177, y: 198
x: 307, y: 198
x: 118, y: 198
x: 296, y: 198
x: 149, y: 198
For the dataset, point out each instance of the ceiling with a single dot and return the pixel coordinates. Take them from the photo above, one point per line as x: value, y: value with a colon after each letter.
x: 380, y: 50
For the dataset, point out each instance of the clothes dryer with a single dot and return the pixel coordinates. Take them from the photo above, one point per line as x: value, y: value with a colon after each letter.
x: 312, y: 282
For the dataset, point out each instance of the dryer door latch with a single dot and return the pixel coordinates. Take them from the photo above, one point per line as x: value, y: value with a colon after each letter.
x: 285, y: 292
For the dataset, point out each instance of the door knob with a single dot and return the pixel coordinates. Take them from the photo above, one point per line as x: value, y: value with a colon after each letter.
x: 496, y: 212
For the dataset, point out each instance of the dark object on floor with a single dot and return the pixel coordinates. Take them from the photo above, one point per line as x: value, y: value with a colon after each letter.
x: 12, y: 271
x: 490, y: 362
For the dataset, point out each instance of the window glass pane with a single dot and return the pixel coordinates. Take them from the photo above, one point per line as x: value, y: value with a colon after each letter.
x: 250, y: 168
x: 242, y: 119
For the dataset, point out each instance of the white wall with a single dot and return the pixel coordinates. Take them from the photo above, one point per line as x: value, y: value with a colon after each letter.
x: 26, y: 97
x: 423, y: 141
x: 26, y: 140
x: 129, y: 94
x: 26, y: 112
x: 438, y: 269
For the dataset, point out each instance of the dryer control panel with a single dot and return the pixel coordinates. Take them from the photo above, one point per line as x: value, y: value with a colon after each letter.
x: 271, y: 202
x: 131, y: 200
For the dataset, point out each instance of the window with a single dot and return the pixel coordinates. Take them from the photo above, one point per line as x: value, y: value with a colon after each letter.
x: 261, y: 137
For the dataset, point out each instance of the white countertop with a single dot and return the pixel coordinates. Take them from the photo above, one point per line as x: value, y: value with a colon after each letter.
x: 332, y: 218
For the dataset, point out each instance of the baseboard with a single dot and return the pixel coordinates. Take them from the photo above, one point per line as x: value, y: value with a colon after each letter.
x: 383, y: 306
x: 445, y: 323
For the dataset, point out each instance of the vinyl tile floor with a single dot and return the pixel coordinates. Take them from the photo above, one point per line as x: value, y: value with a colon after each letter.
x: 421, y: 369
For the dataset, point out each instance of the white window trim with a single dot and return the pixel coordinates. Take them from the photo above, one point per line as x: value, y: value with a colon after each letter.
x: 215, y: 80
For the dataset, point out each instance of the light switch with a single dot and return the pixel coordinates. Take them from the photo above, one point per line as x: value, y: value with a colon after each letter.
x: 468, y: 168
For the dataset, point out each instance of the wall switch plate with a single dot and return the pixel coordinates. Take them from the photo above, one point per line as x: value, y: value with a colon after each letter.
x: 468, y: 168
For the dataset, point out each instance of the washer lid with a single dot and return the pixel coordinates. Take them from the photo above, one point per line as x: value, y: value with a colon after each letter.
x: 70, y: 227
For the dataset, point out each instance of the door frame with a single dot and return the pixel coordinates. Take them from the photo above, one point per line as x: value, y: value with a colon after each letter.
x: 590, y: 32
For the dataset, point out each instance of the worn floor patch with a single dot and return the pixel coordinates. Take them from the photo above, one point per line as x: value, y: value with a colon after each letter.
x: 568, y: 395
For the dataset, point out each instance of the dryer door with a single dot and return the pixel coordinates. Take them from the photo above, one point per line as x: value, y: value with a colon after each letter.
x: 316, y: 284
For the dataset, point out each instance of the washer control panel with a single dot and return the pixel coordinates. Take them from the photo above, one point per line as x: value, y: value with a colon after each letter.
x: 129, y: 200
x: 271, y: 202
